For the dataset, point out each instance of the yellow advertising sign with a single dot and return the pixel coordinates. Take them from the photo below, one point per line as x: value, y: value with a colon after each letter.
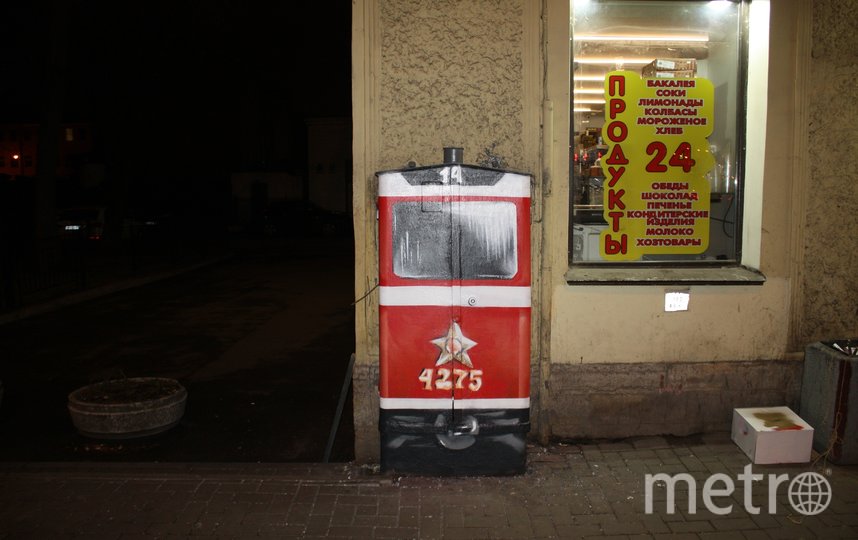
x: 656, y: 196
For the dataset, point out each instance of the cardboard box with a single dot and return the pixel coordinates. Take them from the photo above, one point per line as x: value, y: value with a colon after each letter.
x: 663, y: 67
x: 772, y: 435
x: 685, y: 74
x: 673, y: 64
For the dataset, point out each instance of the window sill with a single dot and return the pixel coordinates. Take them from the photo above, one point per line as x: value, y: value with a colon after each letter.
x: 726, y: 275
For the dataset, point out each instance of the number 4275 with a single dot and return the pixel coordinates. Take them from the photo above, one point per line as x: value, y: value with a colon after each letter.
x: 445, y: 379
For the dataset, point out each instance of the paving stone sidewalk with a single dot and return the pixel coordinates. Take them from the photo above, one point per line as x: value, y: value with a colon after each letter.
x: 594, y: 490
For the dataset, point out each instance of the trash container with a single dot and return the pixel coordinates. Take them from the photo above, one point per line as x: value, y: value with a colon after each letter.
x: 454, y: 319
x: 829, y: 398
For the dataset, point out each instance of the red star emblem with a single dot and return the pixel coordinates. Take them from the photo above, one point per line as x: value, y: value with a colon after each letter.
x: 454, y: 346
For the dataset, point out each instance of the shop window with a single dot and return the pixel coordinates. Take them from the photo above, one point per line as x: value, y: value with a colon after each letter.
x: 657, y: 131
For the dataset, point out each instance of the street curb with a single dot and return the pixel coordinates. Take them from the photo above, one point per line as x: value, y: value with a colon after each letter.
x: 102, y: 290
x: 311, y: 473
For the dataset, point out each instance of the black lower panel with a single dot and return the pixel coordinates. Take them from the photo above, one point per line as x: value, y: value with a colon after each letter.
x: 460, y: 443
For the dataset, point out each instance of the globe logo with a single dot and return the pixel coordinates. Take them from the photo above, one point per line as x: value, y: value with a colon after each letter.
x: 809, y: 493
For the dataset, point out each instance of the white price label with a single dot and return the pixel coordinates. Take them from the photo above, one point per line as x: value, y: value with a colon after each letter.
x: 676, y: 300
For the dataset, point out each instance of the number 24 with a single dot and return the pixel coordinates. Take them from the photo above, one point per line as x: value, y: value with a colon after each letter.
x: 681, y: 157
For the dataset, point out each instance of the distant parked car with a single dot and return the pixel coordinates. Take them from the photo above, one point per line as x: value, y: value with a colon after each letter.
x: 82, y: 223
x: 147, y: 223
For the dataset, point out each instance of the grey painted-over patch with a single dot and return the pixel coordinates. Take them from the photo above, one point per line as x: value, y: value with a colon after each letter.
x: 625, y: 400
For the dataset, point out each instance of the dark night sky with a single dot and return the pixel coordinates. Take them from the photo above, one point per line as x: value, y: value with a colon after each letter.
x: 197, y: 88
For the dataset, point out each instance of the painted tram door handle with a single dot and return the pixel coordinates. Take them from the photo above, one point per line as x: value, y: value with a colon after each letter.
x: 454, y: 319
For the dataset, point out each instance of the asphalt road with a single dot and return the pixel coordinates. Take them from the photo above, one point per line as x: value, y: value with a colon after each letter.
x: 261, y: 342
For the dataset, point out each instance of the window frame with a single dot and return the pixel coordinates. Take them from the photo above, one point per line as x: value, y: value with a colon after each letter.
x: 730, y: 271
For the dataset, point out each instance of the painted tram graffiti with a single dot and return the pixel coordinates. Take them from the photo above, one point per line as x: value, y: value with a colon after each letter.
x: 454, y: 277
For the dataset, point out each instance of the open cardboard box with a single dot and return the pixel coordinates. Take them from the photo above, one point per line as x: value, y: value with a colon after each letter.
x: 772, y: 435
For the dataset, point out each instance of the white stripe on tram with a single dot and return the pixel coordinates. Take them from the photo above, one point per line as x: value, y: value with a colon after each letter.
x: 447, y: 403
x: 474, y: 296
x: 393, y: 184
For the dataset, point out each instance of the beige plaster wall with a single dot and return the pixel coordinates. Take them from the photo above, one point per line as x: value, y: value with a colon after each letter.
x: 450, y: 75
x: 830, y: 276
x: 629, y: 324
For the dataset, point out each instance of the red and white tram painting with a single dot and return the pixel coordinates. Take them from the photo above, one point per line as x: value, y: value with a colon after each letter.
x: 454, y: 320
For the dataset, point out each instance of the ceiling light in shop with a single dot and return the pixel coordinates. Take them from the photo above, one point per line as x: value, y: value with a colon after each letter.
x: 667, y: 38
x: 719, y: 5
x: 607, y: 60
x: 599, y: 78
x: 598, y: 91
x: 588, y: 100
x: 582, y: 109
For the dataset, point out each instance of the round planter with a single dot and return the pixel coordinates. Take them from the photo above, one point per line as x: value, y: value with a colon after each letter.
x: 127, y: 408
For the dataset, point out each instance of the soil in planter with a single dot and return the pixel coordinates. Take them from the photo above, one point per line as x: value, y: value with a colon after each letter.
x: 128, y: 391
